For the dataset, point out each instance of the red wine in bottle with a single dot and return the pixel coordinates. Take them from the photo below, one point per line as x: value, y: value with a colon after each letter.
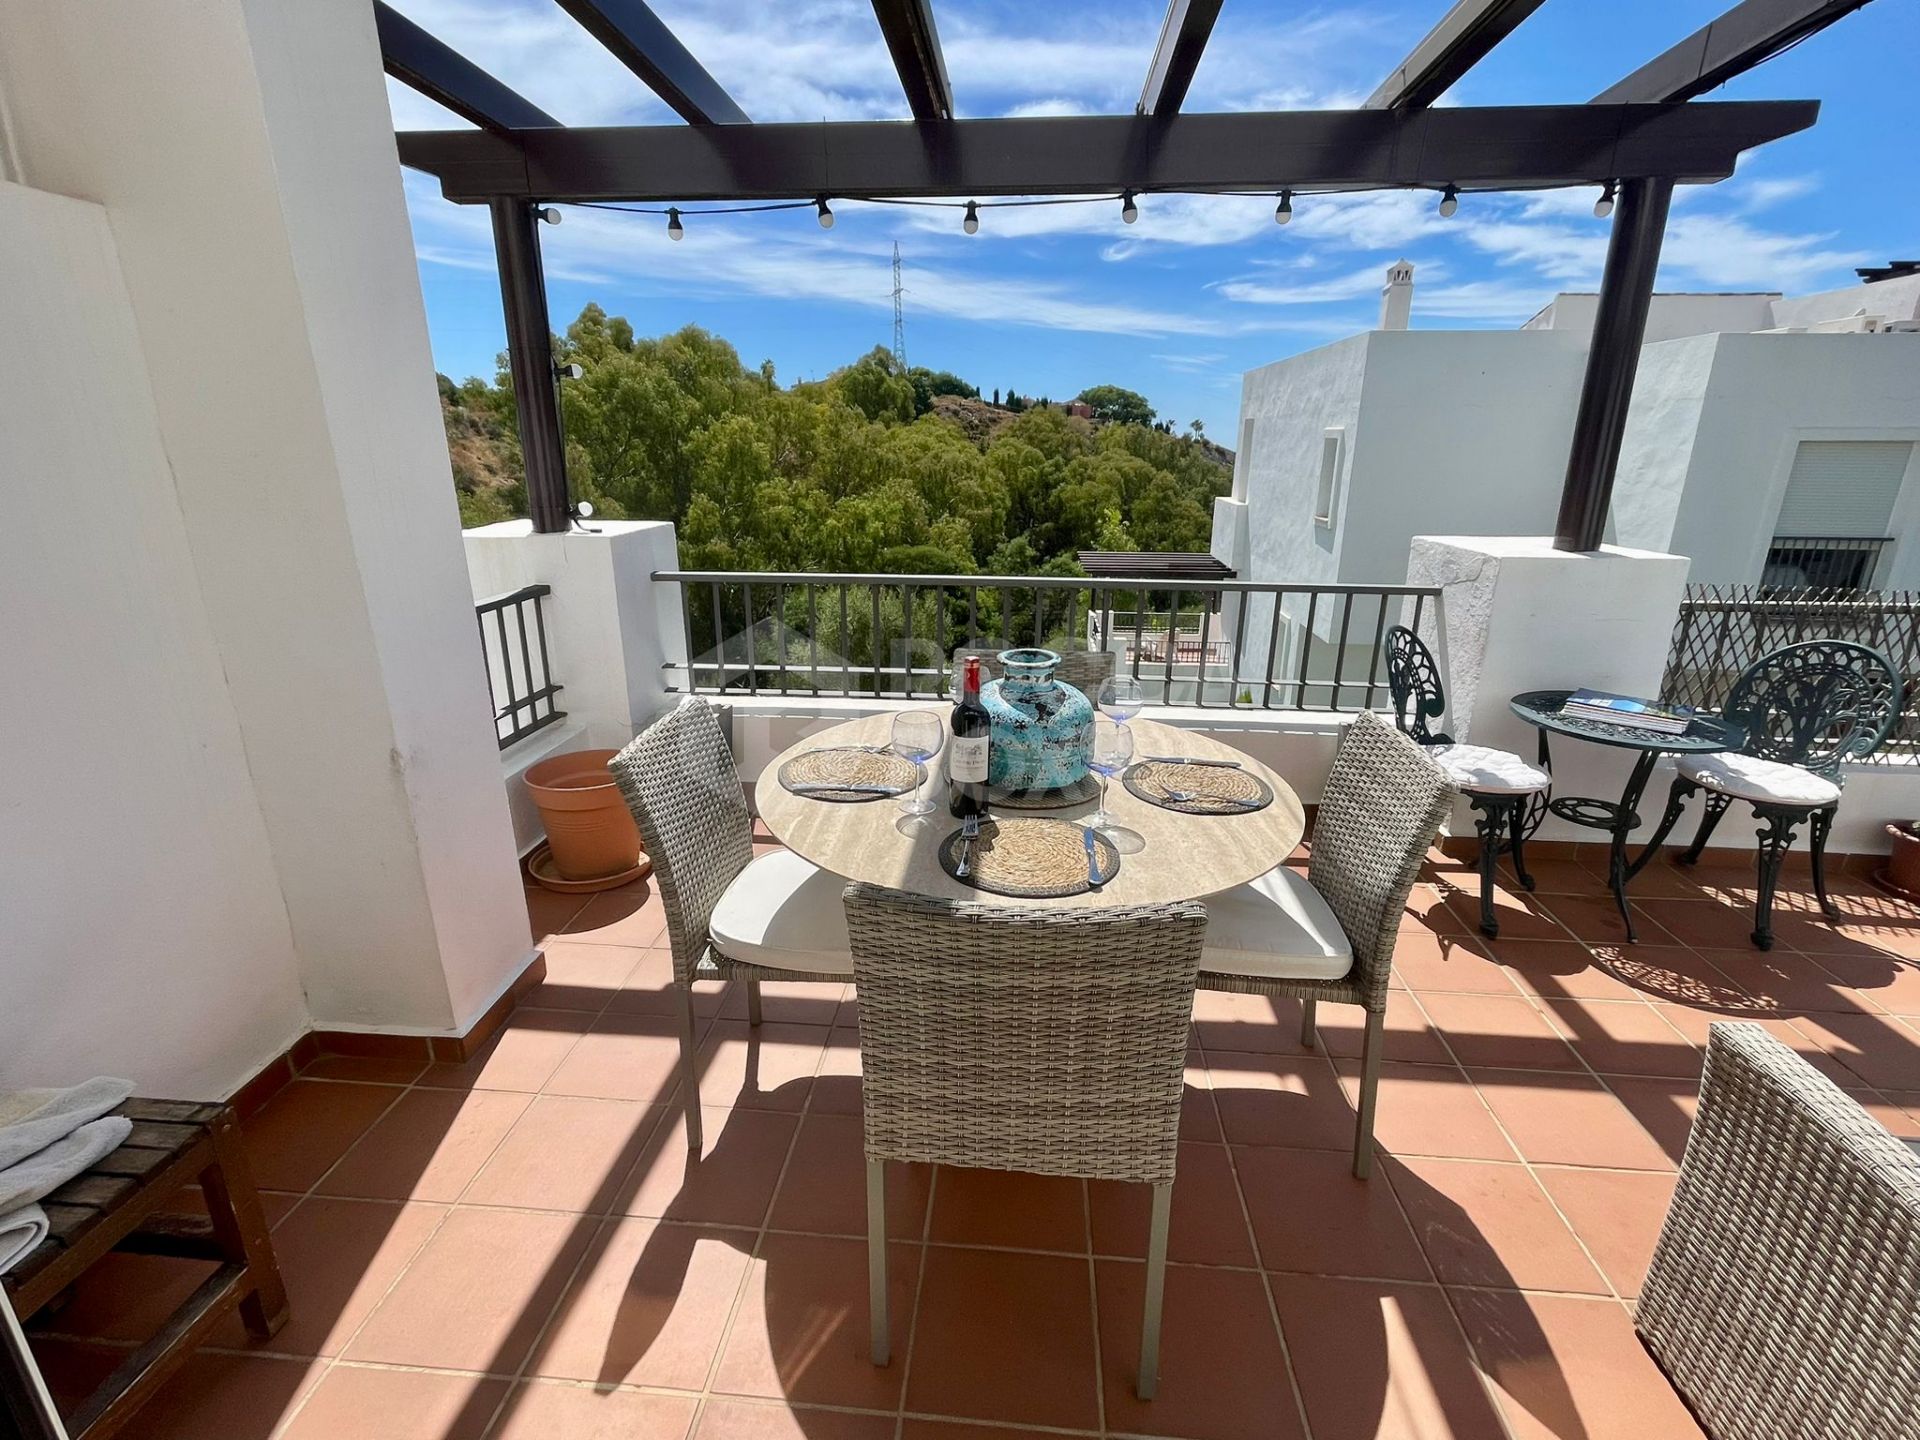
x: 967, y: 751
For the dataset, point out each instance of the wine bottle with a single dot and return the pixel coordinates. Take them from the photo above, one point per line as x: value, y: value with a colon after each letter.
x: 967, y: 753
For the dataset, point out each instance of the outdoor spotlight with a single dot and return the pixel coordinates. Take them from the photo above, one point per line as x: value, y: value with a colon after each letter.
x: 569, y: 372
x: 1449, y: 202
x: 826, y: 215
x: 675, y: 230
x: 583, y: 509
x: 972, y: 223
x: 1129, y: 211
x: 1603, y: 207
x: 548, y: 214
x: 1283, y: 212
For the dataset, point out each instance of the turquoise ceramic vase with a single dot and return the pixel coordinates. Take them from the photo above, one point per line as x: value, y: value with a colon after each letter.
x: 1042, y: 727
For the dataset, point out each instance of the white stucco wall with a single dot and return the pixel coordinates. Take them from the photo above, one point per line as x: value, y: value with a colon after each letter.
x: 1669, y: 317
x: 1895, y: 299
x: 144, y: 933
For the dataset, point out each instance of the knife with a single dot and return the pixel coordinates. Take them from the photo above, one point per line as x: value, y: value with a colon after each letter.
x: 1093, y: 859
x: 1191, y: 760
x: 808, y: 787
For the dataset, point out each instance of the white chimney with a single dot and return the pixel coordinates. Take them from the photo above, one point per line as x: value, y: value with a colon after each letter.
x: 1396, y: 296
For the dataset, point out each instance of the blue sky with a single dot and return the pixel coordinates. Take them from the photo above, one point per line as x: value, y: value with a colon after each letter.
x: 1051, y: 300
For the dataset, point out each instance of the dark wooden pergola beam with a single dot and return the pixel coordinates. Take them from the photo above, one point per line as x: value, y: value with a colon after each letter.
x: 441, y: 73
x: 914, y: 42
x: 641, y: 41
x: 1747, y: 35
x: 1505, y: 148
x: 1183, y: 40
x: 1464, y: 36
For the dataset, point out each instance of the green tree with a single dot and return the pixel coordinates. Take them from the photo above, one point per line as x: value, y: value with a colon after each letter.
x: 1117, y: 406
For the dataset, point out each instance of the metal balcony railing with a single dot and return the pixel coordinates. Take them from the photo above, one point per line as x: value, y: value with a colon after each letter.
x: 1228, y: 644
x: 519, y: 677
x: 1823, y: 562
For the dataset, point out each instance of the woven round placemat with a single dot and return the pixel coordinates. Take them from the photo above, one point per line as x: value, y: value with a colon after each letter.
x: 1086, y: 788
x: 1029, y: 857
x: 1216, y: 789
x: 848, y: 766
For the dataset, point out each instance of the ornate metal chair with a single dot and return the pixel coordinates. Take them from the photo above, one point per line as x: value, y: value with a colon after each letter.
x: 1807, y: 710
x: 1331, y: 935
x: 1047, y: 1041
x: 730, y: 915
x: 1508, y: 794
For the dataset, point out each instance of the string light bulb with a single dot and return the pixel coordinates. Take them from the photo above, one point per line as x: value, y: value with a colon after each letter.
x: 1603, y: 207
x: 972, y: 223
x: 675, y: 230
x: 826, y: 215
x: 1449, y: 202
x: 1283, y: 212
x: 1129, y: 211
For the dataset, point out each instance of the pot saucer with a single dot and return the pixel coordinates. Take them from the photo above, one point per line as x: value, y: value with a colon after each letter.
x: 540, y: 867
x: 1883, y: 877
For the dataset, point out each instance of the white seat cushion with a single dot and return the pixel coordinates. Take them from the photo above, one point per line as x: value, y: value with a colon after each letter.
x: 1276, y: 927
x: 1762, y: 782
x: 1492, y: 772
x: 785, y: 914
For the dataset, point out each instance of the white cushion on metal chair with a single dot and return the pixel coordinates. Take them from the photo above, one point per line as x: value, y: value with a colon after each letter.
x: 1759, y: 782
x: 785, y: 914
x: 1492, y: 772
x: 1276, y: 926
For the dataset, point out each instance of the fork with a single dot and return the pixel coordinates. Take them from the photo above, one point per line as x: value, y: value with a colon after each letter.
x: 1190, y: 797
x: 969, y: 832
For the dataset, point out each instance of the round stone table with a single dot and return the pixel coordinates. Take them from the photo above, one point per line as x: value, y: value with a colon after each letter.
x: 1185, y: 857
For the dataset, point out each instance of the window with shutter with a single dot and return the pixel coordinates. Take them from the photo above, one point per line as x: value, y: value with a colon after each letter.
x: 1833, y: 522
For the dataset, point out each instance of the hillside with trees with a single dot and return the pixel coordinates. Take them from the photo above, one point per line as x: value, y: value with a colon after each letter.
x: 873, y: 469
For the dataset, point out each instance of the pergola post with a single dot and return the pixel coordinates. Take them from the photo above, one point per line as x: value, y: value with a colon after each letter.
x: 1619, y: 326
x: 536, y: 396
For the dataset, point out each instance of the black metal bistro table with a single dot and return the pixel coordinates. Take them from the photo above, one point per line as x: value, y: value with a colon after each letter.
x: 1703, y: 736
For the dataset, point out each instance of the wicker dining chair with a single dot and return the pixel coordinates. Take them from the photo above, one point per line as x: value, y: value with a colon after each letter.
x: 1330, y: 936
x: 1082, y: 669
x: 1041, y: 1040
x: 730, y: 915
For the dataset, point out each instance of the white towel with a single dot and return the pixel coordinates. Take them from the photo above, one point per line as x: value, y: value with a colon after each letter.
x: 20, y: 1235
x: 42, y: 1174
x: 31, y: 1120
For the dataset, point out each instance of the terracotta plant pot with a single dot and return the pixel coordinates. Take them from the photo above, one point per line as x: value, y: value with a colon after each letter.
x: 590, y: 831
x: 1902, y: 875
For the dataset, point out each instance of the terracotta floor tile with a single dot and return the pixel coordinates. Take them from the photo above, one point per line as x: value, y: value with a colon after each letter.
x: 1427, y: 912
x: 1624, y: 1037
x: 1676, y: 975
x: 1222, y: 1373
x: 801, y: 1332
x: 583, y: 976
x: 1663, y: 1105
x: 1898, y: 1114
x: 1498, y: 1030
x: 1568, y: 1120
x: 231, y: 1397
x: 1004, y: 1207
x: 570, y: 1154
x: 367, y: 1069
x: 1520, y: 917
x: 632, y: 915
x: 1437, y: 962
x: 477, y: 1295
x: 548, y: 911
x: 1784, y: 982
x: 1617, y: 1216
x: 1881, y: 1050
x: 1429, y: 1110
x: 73, y: 1369
x: 747, y: 1420
x: 1706, y: 924
x: 1697, y: 1026
x: 1207, y: 1226
x: 429, y: 1146
x: 1492, y: 1225
x: 1310, y: 1214
x: 1595, y: 918
x: 913, y: 1428
x: 1409, y: 1036
x: 355, y: 1404
x: 522, y: 1057
x: 1807, y: 930
x: 1004, y: 1336
x: 623, y: 1057
x: 836, y: 1089
x: 1567, y: 1367
x: 1550, y: 968
x: 1382, y: 1362
x: 1268, y: 1099
x: 766, y: 1068
x: 824, y: 1191
x: 545, y: 1410
x: 649, y: 1306
x: 1554, y: 877
x: 339, y: 1257
x: 298, y: 1134
x: 742, y: 1154
x: 1258, y: 1023
x: 789, y: 1002
x: 1199, y: 1118
x: 1884, y: 982
x: 124, y: 1297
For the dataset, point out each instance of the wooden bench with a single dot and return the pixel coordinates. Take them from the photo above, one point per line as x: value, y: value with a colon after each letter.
x: 123, y: 1203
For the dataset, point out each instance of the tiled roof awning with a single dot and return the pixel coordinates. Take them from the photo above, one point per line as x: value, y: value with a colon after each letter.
x: 1164, y: 565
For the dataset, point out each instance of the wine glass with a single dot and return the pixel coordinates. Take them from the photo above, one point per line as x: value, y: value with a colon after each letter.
x: 1112, y: 752
x: 1120, y: 698
x: 916, y: 737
